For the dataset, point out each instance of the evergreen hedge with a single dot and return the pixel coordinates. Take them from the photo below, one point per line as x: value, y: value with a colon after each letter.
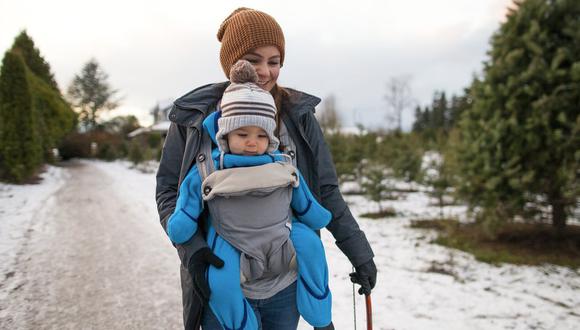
x: 34, y: 117
x: 21, y: 147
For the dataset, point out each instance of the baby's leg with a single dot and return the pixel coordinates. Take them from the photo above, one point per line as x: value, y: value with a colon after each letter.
x: 227, y: 300
x: 313, y: 295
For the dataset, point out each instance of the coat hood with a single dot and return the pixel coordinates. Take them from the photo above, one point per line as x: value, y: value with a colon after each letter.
x: 203, y: 100
x: 210, y: 125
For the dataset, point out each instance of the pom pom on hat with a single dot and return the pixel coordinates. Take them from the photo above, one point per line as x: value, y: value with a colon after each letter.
x: 246, y: 104
x: 243, y: 72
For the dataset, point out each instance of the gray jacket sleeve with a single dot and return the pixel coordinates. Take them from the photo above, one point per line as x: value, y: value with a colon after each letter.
x: 167, y: 185
x: 349, y: 238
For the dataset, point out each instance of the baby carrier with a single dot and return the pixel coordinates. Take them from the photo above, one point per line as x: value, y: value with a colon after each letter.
x: 261, y: 235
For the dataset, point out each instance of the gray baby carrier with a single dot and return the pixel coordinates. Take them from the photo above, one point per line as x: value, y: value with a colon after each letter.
x: 250, y: 208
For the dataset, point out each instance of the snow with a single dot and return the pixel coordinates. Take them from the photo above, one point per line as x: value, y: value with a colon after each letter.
x: 431, y: 161
x: 19, y: 204
x: 137, y: 185
x: 420, y: 285
x: 470, y: 295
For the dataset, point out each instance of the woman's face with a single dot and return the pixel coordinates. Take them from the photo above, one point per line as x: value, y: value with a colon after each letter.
x: 266, y: 61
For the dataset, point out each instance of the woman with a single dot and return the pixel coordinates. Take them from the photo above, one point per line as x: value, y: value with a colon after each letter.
x: 256, y: 37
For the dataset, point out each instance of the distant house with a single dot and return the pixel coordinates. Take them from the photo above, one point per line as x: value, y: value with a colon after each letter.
x: 161, y: 127
x: 161, y: 121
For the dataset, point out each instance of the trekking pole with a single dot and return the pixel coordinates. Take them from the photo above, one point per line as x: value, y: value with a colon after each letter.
x: 353, y: 303
x: 369, y: 306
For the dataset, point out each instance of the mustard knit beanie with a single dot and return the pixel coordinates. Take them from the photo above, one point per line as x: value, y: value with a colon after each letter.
x: 244, y: 30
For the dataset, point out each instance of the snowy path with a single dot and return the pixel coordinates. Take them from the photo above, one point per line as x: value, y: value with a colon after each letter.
x: 93, y: 262
x: 87, y: 252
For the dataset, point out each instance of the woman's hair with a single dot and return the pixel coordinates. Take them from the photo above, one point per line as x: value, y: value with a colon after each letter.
x: 281, y: 97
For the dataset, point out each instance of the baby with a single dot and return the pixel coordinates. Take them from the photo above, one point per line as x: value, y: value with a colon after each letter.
x: 262, y: 216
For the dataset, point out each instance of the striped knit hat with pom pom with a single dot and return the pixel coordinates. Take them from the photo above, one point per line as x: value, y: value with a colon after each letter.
x: 246, y: 104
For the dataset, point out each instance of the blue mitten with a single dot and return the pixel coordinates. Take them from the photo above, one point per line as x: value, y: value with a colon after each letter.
x: 306, y: 207
x: 181, y: 227
x: 182, y: 224
x: 313, y: 297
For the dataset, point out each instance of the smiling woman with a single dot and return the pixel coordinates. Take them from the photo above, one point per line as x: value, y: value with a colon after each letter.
x: 266, y: 61
x: 278, y: 296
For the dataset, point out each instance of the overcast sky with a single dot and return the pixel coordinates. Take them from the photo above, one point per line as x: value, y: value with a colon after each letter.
x: 155, y: 51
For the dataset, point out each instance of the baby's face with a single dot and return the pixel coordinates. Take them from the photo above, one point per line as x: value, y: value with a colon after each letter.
x: 248, y: 141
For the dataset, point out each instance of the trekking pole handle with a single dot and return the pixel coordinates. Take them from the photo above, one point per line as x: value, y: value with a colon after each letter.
x: 369, y: 306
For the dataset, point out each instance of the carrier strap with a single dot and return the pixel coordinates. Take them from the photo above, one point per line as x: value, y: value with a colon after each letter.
x: 288, y: 143
x: 204, y: 161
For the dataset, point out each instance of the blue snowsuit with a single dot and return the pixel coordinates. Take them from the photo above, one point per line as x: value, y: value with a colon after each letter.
x: 227, y: 300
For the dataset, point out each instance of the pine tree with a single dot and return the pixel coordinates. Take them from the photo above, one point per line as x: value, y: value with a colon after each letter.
x: 374, y: 184
x: 91, y: 93
x: 20, y: 150
x: 519, y: 141
x: 54, y: 116
x: 457, y: 107
x: 24, y: 45
x: 419, y: 124
x: 439, y: 112
x: 439, y: 117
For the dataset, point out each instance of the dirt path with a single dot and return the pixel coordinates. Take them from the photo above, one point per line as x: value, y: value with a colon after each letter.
x: 90, y: 262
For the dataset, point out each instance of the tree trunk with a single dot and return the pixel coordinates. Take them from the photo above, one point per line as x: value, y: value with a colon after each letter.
x: 93, y: 119
x: 441, y: 206
x: 558, y: 211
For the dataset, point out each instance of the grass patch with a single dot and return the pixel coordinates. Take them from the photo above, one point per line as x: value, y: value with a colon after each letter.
x: 437, y: 224
x: 354, y: 193
x: 389, y: 212
x: 527, y: 244
x: 405, y: 190
x: 443, y: 268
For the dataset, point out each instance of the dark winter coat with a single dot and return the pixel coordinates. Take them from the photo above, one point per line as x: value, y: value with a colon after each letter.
x: 313, y: 160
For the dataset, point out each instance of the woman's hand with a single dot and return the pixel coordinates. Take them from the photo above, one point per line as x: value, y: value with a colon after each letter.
x: 197, y: 268
x: 366, y: 276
